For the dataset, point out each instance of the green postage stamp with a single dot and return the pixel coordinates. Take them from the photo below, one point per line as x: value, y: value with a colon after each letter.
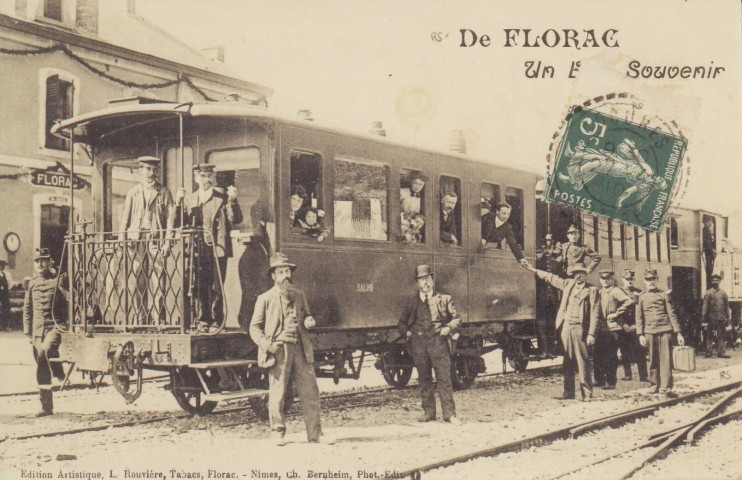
x: 616, y: 168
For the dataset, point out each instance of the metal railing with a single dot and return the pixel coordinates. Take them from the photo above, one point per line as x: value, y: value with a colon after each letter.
x: 147, y: 284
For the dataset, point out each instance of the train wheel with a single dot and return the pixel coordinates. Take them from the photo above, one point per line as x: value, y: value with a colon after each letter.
x: 186, y: 389
x: 126, y: 372
x: 463, y: 371
x: 394, y: 367
x: 259, y: 405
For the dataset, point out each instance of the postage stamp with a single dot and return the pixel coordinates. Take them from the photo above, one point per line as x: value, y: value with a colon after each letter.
x: 614, y: 167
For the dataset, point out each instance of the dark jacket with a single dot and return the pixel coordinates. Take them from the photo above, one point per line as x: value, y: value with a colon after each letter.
x: 40, y: 301
x: 496, y: 235
x: 614, y: 301
x: 448, y: 229
x: 446, y: 312
x: 589, y: 297
x: 217, y: 216
x: 570, y: 255
x: 160, y: 207
x: 654, y: 313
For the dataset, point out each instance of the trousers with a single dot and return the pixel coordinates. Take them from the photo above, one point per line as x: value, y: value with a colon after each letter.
x: 716, y: 337
x: 660, y: 367
x: 632, y: 352
x: 44, y: 348
x: 430, y: 352
x: 605, y: 357
x: 212, y: 273
x: 291, y: 359
x: 576, y: 361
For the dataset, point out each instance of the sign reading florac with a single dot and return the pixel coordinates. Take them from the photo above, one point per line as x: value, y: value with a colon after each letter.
x: 57, y: 176
x: 615, y: 168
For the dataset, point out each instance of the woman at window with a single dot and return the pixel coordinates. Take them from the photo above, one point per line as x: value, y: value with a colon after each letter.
x: 299, y: 205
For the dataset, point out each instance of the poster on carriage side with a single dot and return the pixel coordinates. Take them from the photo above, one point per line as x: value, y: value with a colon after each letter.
x: 565, y: 247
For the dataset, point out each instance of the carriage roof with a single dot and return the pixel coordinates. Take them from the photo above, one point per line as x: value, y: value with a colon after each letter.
x: 94, y: 125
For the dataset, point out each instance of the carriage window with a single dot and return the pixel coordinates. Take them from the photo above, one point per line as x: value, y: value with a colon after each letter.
x: 674, y: 239
x: 240, y: 167
x: 514, y: 197
x: 361, y: 205
x: 450, y: 211
x: 489, y: 198
x: 305, y: 201
x: 412, y: 205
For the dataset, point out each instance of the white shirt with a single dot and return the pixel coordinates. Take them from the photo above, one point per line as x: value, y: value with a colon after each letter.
x: 204, y: 195
x: 425, y: 297
x: 498, y: 223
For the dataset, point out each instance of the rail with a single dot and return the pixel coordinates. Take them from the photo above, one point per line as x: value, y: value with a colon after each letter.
x: 148, y: 282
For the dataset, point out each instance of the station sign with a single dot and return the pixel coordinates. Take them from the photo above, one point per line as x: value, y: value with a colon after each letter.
x: 57, y: 176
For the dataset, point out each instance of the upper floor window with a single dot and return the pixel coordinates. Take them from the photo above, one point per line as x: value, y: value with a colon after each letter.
x: 53, y: 9
x: 59, y: 106
x: 361, y: 203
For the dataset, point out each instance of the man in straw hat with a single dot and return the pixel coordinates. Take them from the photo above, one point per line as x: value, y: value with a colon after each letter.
x: 576, y: 325
x: 279, y: 327
x: 655, y: 324
x: 426, y: 322
x: 217, y: 212
x: 148, y: 215
x: 573, y: 253
x: 40, y: 327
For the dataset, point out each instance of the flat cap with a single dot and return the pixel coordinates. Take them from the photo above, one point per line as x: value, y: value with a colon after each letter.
x: 148, y: 160
x: 204, y: 167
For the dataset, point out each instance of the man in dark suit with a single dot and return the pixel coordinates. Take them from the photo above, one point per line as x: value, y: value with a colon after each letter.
x: 709, y: 248
x: 614, y: 303
x: 572, y: 253
x: 6, y: 283
x: 279, y: 327
x: 448, y: 231
x: 426, y: 322
x: 576, y: 325
x: 631, y: 350
x: 495, y: 229
x: 216, y: 212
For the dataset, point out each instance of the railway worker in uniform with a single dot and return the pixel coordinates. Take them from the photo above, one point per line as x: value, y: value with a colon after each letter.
x: 6, y: 283
x: 715, y: 317
x: 448, y: 232
x: 572, y: 252
x: 426, y: 322
x: 576, y: 325
x: 148, y: 215
x: 629, y: 346
x: 279, y: 327
x: 216, y: 212
x: 614, y: 303
x: 40, y: 328
x: 655, y: 324
x: 495, y: 229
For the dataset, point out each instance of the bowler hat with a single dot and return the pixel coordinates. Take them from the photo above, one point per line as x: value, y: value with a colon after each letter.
x: 42, y: 253
x: 651, y: 273
x: 715, y: 275
x: 576, y: 269
x: 628, y: 273
x: 146, y: 160
x: 422, y: 271
x: 204, y: 167
x: 573, y: 228
x: 606, y: 274
x: 280, y: 260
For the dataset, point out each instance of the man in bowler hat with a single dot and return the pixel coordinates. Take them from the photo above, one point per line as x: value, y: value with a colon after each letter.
x: 279, y: 327
x: 427, y: 320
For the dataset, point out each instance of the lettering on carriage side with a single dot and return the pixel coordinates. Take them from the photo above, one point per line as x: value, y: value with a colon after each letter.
x: 365, y: 288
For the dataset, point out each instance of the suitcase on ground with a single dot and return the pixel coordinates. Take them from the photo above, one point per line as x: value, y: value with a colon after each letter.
x: 684, y: 359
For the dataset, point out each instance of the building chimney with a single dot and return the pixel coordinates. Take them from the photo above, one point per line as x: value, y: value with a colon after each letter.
x: 215, y: 53
x: 131, y: 7
x: 305, y: 114
x: 87, y: 16
x: 457, y: 143
x: 377, y: 128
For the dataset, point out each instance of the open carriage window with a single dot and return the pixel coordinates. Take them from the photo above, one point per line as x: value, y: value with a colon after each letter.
x: 412, y: 205
x: 361, y: 205
x: 450, y: 211
x: 306, y: 213
x: 240, y: 168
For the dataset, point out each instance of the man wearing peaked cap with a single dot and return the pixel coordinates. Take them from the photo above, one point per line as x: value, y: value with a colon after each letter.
x: 39, y: 314
x: 613, y: 305
x: 576, y: 325
x: 148, y: 215
x: 427, y: 321
x: 715, y: 317
x: 655, y: 324
x: 629, y: 346
x: 573, y: 253
x: 279, y: 326
x: 216, y: 212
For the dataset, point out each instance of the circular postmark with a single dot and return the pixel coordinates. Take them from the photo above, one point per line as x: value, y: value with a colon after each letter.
x: 613, y: 156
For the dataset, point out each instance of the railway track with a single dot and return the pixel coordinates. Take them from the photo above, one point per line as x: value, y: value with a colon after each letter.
x: 651, y: 448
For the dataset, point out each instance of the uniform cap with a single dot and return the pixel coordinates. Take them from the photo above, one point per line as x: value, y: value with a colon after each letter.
x: 651, y: 273
x: 716, y: 275
x: 573, y: 228
x: 148, y: 160
x: 422, y: 271
x: 606, y: 273
x: 204, y: 167
x: 628, y: 273
x: 42, y: 253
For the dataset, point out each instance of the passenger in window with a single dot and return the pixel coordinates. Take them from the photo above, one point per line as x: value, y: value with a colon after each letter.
x: 495, y: 229
x: 448, y: 230
x: 299, y: 205
x: 312, y: 226
x: 415, y: 229
x: 411, y: 198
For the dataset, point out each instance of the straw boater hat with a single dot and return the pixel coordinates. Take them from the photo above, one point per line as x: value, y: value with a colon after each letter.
x: 148, y: 160
x: 42, y: 253
x: 715, y: 275
x: 573, y: 228
x: 422, y: 271
x: 280, y: 260
x: 204, y: 167
x: 576, y: 269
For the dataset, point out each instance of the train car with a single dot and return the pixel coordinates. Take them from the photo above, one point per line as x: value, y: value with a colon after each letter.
x: 357, y: 279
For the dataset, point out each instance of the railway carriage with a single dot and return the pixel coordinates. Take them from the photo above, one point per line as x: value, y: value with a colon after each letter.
x: 357, y: 279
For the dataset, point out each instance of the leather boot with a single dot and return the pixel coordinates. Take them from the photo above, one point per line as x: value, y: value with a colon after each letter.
x: 47, y: 403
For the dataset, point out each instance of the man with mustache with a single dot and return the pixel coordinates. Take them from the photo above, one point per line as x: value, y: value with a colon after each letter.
x: 448, y: 230
x: 279, y: 327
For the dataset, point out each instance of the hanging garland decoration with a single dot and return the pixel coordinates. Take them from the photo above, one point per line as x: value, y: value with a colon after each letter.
x: 145, y: 86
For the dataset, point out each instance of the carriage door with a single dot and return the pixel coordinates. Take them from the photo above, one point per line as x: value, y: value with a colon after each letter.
x: 53, y: 214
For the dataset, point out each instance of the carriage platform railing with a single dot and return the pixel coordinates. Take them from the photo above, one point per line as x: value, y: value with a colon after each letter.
x: 147, y: 284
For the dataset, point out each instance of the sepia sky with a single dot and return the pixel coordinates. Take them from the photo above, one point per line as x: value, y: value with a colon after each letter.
x: 352, y: 63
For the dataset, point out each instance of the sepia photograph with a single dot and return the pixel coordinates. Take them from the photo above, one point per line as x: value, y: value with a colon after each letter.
x: 286, y: 239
